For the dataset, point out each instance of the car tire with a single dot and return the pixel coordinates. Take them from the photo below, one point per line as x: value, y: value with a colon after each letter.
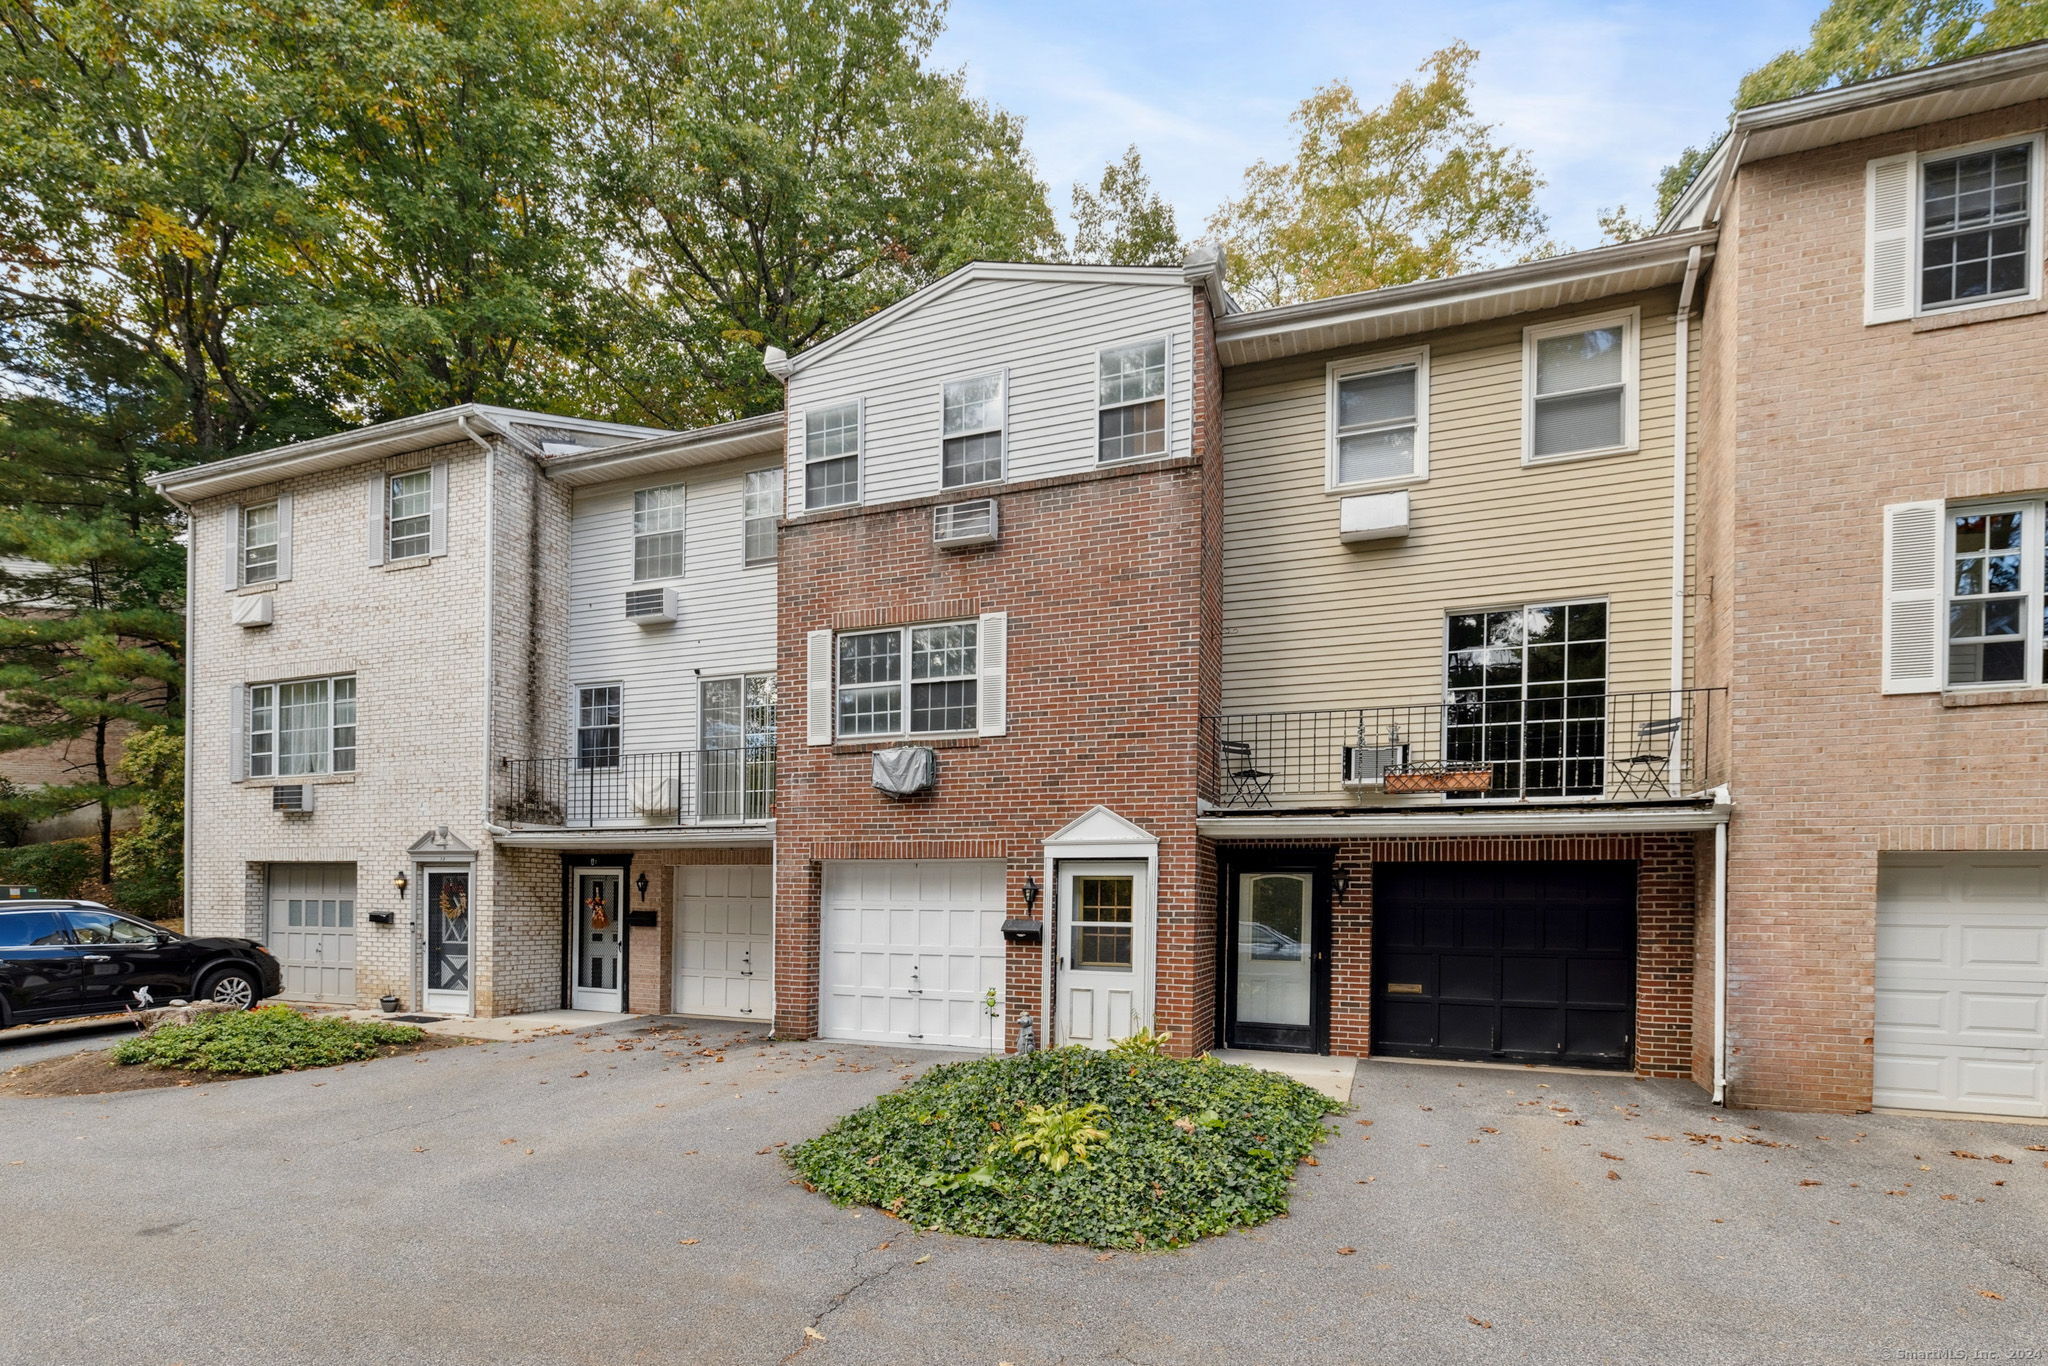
x: 237, y: 987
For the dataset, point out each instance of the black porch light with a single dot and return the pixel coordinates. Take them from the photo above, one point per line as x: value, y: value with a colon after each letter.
x: 1031, y: 891
x: 401, y: 882
x: 640, y: 885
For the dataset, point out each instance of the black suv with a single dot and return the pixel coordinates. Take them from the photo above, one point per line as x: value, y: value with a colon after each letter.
x: 64, y: 958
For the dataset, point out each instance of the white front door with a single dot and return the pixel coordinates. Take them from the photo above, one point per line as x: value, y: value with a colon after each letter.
x: 909, y: 952
x: 313, y: 929
x: 725, y: 948
x: 597, y: 941
x: 1104, y: 944
x: 1962, y: 984
x: 445, y: 939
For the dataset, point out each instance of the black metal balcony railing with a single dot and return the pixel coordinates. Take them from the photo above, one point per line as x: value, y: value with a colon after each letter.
x: 667, y: 788
x: 1587, y: 746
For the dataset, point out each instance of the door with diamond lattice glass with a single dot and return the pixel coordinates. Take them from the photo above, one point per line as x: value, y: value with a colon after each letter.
x: 447, y: 926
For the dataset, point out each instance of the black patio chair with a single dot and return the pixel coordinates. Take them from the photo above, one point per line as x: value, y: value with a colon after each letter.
x: 1648, y: 770
x: 1250, y: 785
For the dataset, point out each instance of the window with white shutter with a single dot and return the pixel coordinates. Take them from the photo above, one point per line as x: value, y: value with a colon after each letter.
x: 818, y: 700
x: 1912, y: 597
x: 1952, y: 229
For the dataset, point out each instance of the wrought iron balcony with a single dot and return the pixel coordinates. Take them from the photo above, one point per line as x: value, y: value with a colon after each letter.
x: 667, y: 788
x: 1589, y: 745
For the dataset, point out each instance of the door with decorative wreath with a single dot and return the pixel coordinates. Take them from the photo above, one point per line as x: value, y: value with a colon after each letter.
x: 597, y: 941
x: 446, y: 940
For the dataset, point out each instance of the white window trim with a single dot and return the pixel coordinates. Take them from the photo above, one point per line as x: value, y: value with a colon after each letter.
x: 780, y: 485
x: 860, y: 455
x: 1002, y: 377
x: 246, y: 740
x: 437, y: 514
x: 1630, y: 320
x: 1095, y: 387
x: 2037, y: 144
x: 633, y: 521
x: 903, y: 683
x: 1350, y: 367
x: 2033, y: 580
x: 280, y: 544
x: 576, y: 692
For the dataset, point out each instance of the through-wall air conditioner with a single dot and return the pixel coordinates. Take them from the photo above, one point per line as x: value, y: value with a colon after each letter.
x: 254, y: 609
x: 293, y: 799
x: 955, y: 525
x: 651, y: 606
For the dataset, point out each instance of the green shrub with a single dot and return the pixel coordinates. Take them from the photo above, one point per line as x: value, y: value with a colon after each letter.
x: 1179, y: 1149
x: 273, y: 1039
x: 61, y: 868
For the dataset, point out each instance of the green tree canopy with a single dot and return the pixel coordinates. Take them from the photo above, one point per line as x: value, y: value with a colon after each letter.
x: 1415, y: 189
x: 1123, y: 221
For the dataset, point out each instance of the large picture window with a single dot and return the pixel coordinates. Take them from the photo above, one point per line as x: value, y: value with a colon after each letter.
x: 917, y: 680
x: 1527, y: 690
x: 303, y: 727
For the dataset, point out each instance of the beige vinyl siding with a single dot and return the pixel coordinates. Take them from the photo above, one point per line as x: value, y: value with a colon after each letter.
x: 1312, y: 623
x: 1044, y: 333
x: 726, y: 613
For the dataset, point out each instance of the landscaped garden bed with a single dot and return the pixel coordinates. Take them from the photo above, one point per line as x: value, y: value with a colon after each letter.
x: 221, y: 1046
x: 1125, y: 1148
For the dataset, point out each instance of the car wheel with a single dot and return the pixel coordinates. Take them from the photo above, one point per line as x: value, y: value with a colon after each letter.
x: 232, y: 987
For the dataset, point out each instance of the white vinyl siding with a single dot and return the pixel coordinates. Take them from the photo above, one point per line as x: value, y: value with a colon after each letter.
x: 971, y: 431
x: 1131, y: 391
x: 1379, y: 420
x: 1579, y: 387
x: 303, y: 727
x: 761, y: 509
x: 1044, y: 335
x: 1954, y: 228
x: 728, y: 624
x: 658, y: 533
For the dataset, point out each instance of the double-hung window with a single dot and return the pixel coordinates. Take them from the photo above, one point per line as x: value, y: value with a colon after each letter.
x: 1130, y: 398
x: 1994, y: 591
x: 1976, y: 225
x: 832, y: 456
x: 971, y: 431
x: 259, y: 532
x: 303, y: 727
x: 760, y: 510
x: 916, y: 680
x: 1379, y: 420
x: 1579, y: 379
x: 409, y: 514
x: 658, y: 533
x: 597, y: 726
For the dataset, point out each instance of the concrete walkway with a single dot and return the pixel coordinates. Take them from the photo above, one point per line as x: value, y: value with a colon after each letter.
x: 1331, y: 1076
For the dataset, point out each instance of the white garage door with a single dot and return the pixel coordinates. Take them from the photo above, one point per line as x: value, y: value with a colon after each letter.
x: 725, y: 944
x: 909, y: 951
x: 1962, y: 984
x: 313, y: 929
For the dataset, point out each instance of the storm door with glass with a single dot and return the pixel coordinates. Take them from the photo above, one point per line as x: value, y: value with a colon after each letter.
x: 447, y: 926
x: 1276, y: 983
x: 597, y: 941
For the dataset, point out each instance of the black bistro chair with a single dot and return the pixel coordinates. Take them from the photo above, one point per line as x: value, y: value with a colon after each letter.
x: 1646, y: 772
x: 1250, y: 785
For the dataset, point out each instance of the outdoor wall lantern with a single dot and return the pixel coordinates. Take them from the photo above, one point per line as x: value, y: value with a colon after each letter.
x: 640, y: 885
x: 401, y: 882
x: 1340, y: 882
x: 1031, y: 891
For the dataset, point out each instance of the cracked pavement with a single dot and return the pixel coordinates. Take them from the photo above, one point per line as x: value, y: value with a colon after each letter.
x: 618, y: 1197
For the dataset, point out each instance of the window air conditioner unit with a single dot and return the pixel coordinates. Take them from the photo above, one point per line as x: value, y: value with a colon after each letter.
x: 1367, y: 765
x: 651, y: 606
x: 293, y: 799
x: 955, y: 525
x: 254, y: 609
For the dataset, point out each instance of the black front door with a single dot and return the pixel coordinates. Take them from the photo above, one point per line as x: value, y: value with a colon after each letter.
x: 1505, y: 962
x: 1277, y: 956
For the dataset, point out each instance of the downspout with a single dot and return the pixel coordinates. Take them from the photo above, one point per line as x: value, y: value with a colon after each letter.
x: 1681, y: 385
x: 490, y: 735
x: 191, y: 569
x: 1720, y: 1096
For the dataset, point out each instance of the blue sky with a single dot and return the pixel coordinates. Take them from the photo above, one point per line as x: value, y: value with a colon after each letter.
x: 1602, y: 94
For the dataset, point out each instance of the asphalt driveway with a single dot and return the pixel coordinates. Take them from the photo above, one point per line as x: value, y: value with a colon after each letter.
x: 617, y: 1198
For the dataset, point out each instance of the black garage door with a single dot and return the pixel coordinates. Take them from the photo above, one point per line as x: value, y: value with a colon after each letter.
x: 1505, y: 962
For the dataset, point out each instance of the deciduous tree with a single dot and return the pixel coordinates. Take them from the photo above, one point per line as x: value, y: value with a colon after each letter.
x: 1123, y: 221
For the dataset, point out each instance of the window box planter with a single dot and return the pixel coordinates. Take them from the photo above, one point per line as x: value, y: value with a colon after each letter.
x: 1439, y: 777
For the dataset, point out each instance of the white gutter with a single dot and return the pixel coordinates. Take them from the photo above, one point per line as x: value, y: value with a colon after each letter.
x: 1677, y: 816
x: 1680, y: 384
x: 490, y: 639
x: 1720, y: 1096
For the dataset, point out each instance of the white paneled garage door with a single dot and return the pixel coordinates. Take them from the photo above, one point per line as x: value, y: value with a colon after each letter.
x: 909, y: 950
x: 313, y: 929
x: 1962, y: 984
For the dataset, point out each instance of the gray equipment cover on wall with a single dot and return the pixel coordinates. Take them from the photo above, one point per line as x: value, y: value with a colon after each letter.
x: 904, y: 772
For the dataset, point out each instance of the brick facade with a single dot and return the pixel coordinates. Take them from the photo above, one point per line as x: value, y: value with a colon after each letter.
x: 1818, y: 422
x: 1111, y: 664
x: 1667, y: 913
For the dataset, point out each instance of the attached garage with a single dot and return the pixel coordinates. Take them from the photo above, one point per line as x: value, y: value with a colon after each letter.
x: 1962, y: 984
x: 1505, y: 962
x: 909, y: 950
x: 725, y: 945
x: 313, y: 929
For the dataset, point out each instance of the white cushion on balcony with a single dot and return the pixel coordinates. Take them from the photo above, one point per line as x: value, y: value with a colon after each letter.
x: 656, y: 796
